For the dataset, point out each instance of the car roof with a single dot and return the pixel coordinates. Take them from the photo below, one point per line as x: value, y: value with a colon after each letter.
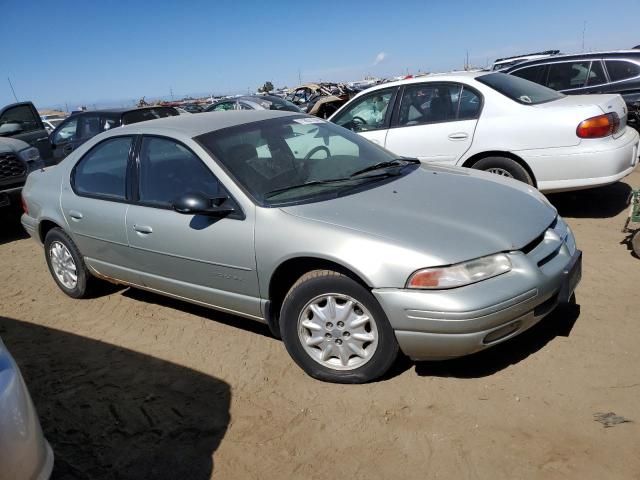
x: 444, y: 77
x: 194, y: 125
x: 119, y: 110
x: 615, y: 54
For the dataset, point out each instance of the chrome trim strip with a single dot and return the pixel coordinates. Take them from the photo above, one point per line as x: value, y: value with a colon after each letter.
x: 178, y: 297
x: 245, y: 269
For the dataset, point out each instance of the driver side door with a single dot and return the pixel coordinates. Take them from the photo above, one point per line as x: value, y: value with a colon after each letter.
x: 65, y: 138
x: 209, y: 260
x: 369, y: 115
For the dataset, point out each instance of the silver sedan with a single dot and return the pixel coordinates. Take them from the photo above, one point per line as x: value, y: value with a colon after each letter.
x: 346, y: 251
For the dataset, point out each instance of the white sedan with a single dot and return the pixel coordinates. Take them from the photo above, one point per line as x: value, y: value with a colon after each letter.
x: 502, y: 124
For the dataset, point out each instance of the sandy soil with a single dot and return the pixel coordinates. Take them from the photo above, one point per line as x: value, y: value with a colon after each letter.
x: 132, y: 385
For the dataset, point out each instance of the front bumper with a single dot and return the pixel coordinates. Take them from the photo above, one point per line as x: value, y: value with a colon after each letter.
x: 24, y: 452
x: 441, y: 324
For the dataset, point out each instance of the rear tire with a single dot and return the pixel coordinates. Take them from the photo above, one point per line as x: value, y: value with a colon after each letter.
x: 635, y: 243
x: 505, y: 167
x: 66, y: 264
x: 336, y: 330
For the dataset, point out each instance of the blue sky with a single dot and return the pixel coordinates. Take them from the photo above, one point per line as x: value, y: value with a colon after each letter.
x: 101, y: 51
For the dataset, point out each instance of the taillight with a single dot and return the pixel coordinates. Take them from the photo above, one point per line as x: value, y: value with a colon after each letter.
x: 25, y: 209
x: 600, y: 126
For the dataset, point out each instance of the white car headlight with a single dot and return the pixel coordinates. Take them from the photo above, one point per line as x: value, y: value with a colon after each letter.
x: 460, y: 274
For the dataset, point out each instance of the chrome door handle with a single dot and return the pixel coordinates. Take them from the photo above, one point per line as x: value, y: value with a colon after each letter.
x: 377, y: 142
x: 42, y: 139
x: 75, y: 215
x: 143, y: 229
x: 458, y: 136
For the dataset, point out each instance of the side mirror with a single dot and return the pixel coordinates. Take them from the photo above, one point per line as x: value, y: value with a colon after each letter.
x: 199, y: 204
x: 9, y: 129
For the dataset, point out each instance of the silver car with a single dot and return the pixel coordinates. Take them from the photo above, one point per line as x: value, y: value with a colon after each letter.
x: 24, y: 452
x: 346, y: 251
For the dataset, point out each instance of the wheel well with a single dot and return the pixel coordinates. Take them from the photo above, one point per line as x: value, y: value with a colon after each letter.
x: 44, y: 228
x: 469, y: 162
x: 287, y: 274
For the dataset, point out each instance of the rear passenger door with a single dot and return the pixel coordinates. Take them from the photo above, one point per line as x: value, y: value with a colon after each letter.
x: 202, y: 258
x: 94, y: 204
x: 434, y: 122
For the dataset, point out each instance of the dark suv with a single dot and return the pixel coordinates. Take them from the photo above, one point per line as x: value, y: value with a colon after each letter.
x: 80, y: 127
x: 603, y: 72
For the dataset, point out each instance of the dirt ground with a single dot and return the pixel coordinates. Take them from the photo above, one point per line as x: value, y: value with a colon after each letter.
x: 133, y: 385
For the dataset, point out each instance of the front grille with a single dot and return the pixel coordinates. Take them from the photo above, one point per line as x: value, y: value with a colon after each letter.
x: 11, y: 166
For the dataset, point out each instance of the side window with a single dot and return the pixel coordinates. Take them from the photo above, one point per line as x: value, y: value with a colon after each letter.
x: 107, y: 123
x: 168, y: 170
x: 21, y: 115
x: 223, y: 107
x: 596, y: 74
x: 367, y: 113
x: 622, y: 70
x: 567, y: 75
x: 89, y: 126
x: 103, y: 170
x: 429, y: 103
x: 469, y: 106
x: 533, y: 74
x: 67, y: 131
x: 245, y: 106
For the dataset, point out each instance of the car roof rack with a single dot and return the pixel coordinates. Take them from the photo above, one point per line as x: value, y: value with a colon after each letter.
x: 546, y: 52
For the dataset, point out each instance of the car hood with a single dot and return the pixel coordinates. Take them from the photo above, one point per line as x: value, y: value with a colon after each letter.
x: 12, y: 145
x: 450, y: 214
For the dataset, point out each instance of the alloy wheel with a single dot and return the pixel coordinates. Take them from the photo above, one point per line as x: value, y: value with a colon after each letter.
x: 337, y: 331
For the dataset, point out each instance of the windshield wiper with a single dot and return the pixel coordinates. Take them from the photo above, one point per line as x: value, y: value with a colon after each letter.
x: 324, y: 182
x: 396, y: 162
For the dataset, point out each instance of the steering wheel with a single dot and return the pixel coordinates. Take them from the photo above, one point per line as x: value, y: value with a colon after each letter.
x: 315, y: 150
x: 358, y: 122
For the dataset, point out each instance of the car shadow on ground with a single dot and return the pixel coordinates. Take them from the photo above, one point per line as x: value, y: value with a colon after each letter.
x: 10, y: 226
x: 109, y: 412
x: 560, y: 322
x: 602, y: 202
x: 235, y: 321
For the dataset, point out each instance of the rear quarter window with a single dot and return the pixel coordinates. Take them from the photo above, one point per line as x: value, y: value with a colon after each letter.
x: 622, y: 70
x: 518, y: 89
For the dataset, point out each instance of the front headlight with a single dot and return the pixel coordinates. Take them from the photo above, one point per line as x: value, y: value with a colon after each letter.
x: 31, y: 155
x: 460, y: 274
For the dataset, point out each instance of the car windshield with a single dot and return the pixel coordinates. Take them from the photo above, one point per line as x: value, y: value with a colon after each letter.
x: 518, y: 89
x: 298, y: 158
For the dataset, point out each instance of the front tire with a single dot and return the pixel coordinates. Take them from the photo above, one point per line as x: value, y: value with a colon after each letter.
x: 66, y: 264
x: 335, y: 329
x: 505, y: 167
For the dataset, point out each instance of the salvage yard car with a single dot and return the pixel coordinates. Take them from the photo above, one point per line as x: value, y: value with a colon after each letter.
x: 589, y: 73
x: 17, y: 160
x: 345, y: 250
x: 252, y: 102
x: 501, y: 124
x: 80, y: 127
x: 24, y: 452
